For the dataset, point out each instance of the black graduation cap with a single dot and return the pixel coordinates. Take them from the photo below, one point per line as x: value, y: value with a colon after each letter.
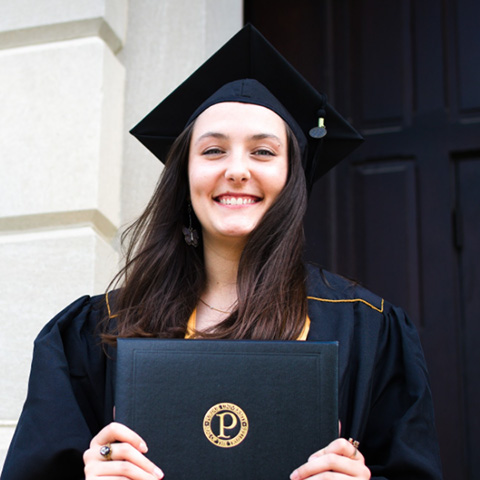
x: 325, y: 138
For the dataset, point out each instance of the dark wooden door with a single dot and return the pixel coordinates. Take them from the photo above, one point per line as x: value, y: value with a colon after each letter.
x: 402, y: 214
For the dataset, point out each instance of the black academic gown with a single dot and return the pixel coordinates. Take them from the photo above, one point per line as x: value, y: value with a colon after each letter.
x: 384, y: 396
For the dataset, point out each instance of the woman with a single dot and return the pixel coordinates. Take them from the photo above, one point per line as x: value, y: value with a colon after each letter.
x: 218, y: 254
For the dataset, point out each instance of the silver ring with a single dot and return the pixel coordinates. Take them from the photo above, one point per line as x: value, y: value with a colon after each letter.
x: 106, y: 452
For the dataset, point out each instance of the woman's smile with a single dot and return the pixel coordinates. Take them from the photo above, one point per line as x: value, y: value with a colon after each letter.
x: 237, y: 200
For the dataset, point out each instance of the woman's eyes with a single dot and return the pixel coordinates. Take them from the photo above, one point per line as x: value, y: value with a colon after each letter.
x: 259, y: 152
x: 213, y: 151
x: 263, y: 152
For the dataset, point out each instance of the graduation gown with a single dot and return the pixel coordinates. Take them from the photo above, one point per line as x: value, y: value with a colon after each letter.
x: 384, y: 395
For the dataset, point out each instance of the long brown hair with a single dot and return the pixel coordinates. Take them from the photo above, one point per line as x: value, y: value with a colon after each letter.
x: 163, y: 277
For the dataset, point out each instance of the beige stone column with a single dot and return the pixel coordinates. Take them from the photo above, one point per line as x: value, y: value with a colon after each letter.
x: 61, y: 132
x: 75, y: 76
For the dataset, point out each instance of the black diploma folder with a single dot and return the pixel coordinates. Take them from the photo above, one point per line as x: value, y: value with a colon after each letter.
x: 226, y: 409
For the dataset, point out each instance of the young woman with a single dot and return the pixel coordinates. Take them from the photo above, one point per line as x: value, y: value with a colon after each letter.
x: 218, y: 254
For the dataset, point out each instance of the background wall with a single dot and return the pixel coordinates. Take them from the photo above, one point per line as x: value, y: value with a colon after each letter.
x: 74, y: 78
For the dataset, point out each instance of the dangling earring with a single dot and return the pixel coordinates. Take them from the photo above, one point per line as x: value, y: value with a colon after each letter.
x: 191, y: 235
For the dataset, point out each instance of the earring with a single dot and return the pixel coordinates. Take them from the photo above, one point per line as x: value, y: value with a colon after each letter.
x: 190, y: 233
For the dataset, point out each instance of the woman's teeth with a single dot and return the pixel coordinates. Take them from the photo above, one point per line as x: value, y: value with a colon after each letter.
x: 236, y: 201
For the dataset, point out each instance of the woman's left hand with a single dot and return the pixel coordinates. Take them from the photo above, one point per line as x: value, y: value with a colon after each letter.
x: 338, y: 460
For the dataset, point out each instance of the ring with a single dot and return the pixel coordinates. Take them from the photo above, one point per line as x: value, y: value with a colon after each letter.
x: 355, y: 444
x: 106, y: 452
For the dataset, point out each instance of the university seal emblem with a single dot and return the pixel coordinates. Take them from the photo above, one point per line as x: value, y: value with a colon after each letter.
x: 225, y: 425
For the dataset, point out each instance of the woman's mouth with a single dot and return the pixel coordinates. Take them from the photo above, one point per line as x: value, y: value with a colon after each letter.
x: 236, y: 200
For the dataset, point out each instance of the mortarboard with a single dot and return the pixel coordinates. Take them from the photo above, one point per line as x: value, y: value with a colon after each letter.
x: 249, y: 69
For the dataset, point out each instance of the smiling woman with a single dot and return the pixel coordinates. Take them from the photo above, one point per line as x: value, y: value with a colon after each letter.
x: 218, y: 254
x: 231, y: 152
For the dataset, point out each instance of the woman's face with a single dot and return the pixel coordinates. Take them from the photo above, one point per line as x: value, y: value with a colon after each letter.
x: 238, y: 164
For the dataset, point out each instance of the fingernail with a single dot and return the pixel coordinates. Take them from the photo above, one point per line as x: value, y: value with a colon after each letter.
x: 143, y: 447
x: 158, y: 473
x: 294, y: 475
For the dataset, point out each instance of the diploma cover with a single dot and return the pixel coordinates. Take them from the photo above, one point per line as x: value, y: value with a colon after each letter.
x: 227, y: 409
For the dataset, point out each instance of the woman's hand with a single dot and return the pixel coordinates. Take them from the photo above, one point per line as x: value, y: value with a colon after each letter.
x: 339, y: 460
x: 126, y: 459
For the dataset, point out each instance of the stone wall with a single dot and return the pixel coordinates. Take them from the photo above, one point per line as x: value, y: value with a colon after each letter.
x: 75, y: 76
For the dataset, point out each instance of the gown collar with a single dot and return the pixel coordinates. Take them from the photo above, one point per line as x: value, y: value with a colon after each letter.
x: 193, y: 320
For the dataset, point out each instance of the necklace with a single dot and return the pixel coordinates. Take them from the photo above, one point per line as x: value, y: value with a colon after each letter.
x: 213, y: 308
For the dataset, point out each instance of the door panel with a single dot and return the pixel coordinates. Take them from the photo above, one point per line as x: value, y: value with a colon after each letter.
x: 468, y: 241
x: 379, y: 63
x: 467, y: 14
x: 388, y: 263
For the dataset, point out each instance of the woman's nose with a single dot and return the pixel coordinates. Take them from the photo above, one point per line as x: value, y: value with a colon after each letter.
x: 238, y: 167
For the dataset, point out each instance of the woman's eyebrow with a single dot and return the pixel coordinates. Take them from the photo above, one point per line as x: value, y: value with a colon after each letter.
x: 261, y: 136
x: 218, y: 135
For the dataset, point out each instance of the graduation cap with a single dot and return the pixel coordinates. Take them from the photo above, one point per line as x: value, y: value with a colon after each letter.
x: 249, y: 69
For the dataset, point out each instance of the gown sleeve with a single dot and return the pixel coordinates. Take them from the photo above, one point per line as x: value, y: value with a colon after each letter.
x: 385, y: 400
x: 399, y: 437
x: 65, y: 405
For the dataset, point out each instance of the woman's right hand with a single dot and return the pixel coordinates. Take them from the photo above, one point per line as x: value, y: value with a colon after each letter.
x: 127, y: 459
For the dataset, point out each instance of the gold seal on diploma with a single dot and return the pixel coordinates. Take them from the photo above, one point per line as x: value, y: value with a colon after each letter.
x: 225, y: 425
